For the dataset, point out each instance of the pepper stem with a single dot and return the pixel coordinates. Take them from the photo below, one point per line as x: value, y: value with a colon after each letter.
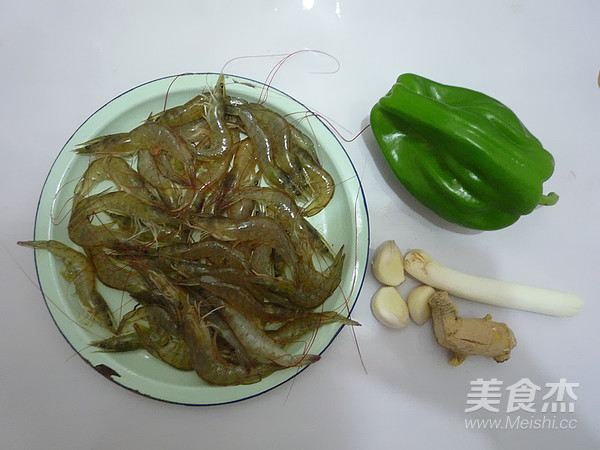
x: 549, y: 199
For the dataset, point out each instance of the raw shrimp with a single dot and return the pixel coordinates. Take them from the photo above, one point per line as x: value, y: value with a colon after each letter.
x: 200, y: 215
x: 220, y: 254
x: 157, y: 137
x: 173, y: 196
x: 279, y: 203
x: 258, y: 342
x: 180, y: 115
x: 152, y: 136
x: 261, y: 260
x: 215, y: 116
x: 236, y: 353
x: 313, y: 287
x: 209, y: 175
x: 257, y: 228
x: 265, y: 153
x: 309, y: 323
x: 244, y: 172
x: 323, y: 283
x: 293, y: 166
x: 80, y: 272
x: 150, y: 328
x: 196, y: 131
x: 165, y: 346
x: 288, y: 290
x: 301, y: 140
x: 115, y: 274
x: 242, y: 299
x: 207, y: 362
x: 320, y: 185
x: 120, y: 173
x: 84, y: 232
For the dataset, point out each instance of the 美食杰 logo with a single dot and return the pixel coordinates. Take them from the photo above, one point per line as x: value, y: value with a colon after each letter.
x: 527, y: 404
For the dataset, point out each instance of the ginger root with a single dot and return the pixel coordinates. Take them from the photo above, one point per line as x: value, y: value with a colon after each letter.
x: 465, y: 337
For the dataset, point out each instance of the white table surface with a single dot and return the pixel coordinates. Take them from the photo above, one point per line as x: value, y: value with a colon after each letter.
x: 61, y: 60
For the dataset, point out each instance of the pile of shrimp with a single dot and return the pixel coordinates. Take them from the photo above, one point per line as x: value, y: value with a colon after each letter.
x: 204, y: 224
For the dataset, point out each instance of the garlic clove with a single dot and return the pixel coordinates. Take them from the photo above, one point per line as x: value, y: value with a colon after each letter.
x: 418, y: 303
x: 389, y: 307
x: 388, y: 264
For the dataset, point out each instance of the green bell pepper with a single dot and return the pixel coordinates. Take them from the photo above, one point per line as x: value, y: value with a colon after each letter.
x: 461, y: 153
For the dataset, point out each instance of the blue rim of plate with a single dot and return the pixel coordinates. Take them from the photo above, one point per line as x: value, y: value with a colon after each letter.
x: 136, y: 371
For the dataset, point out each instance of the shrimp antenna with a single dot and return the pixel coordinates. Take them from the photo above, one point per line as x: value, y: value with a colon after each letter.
x: 284, y: 57
x: 171, y: 85
x: 330, y: 124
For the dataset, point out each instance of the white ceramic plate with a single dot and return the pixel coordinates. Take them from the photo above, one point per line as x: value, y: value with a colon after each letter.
x: 343, y: 222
